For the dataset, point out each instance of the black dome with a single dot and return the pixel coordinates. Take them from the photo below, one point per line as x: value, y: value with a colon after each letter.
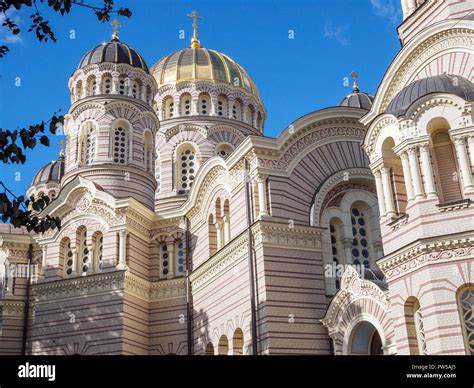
x: 445, y: 83
x: 358, y: 100
x: 115, y: 52
x: 52, y: 172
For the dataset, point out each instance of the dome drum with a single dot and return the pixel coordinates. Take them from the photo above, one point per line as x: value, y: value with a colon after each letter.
x: 112, y: 69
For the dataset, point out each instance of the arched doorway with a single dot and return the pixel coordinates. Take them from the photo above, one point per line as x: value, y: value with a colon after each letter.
x: 365, y: 340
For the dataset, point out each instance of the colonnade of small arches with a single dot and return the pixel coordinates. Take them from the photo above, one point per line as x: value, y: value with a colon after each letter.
x: 234, y: 346
x: 125, y: 83
x: 219, y: 226
x: 438, y: 165
x: 120, y: 145
x: 83, y: 255
x: 172, y: 256
x: 205, y: 104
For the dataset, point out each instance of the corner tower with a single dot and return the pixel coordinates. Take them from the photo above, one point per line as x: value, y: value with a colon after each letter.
x: 110, y: 126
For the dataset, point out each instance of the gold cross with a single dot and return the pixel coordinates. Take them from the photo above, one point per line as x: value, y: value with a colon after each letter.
x: 61, y: 152
x: 354, y: 76
x: 195, y: 43
x: 115, y: 27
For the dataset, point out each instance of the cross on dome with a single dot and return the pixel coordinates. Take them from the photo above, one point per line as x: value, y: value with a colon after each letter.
x: 115, y: 27
x: 195, y: 43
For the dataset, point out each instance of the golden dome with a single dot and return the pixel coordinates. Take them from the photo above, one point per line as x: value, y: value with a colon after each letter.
x: 200, y: 64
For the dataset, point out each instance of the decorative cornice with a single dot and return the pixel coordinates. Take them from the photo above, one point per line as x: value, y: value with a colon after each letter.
x: 12, y: 309
x: 288, y: 236
x: 421, y: 254
x: 104, y: 283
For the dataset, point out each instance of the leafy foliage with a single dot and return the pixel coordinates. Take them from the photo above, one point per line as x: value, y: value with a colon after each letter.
x: 41, y: 27
x: 21, y: 211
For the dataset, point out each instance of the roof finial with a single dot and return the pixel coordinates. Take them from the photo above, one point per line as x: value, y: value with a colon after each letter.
x: 355, y: 88
x: 195, y: 43
x: 115, y: 26
x: 61, y: 152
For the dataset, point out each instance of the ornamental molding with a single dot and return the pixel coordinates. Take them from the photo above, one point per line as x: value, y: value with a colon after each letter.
x: 332, y: 186
x: 173, y: 131
x: 329, y: 122
x: 289, y: 236
x: 219, y: 128
x: 223, y: 260
x: 428, y: 49
x: 308, y: 141
x: 104, y: 283
x: 374, y: 132
x: 13, y: 309
x: 423, y: 254
x: 460, y: 105
x: 353, y: 288
x: 154, y: 291
x: 117, y: 281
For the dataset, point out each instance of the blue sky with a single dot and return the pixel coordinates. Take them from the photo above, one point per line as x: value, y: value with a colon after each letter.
x: 294, y: 76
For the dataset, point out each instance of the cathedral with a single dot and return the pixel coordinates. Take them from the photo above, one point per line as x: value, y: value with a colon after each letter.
x: 185, y: 230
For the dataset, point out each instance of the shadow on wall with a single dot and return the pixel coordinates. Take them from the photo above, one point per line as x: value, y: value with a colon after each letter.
x: 83, y: 328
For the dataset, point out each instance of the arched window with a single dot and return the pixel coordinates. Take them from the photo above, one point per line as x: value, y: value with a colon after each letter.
x: 224, y: 150
x: 360, y: 241
x: 237, y: 110
x: 219, y: 224
x: 122, y: 85
x: 212, y: 233
x: 223, y: 348
x: 67, y: 257
x: 222, y: 106
x: 97, y: 243
x: 414, y: 325
x: 186, y: 167
x: 120, y: 145
x: 136, y: 89
x: 168, y: 105
x: 106, y: 84
x: 87, y: 143
x: 209, y: 349
x: 337, y: 249
x: 78, y: 90
x: 446, y: 167
x: 148, y: 151
x: 204, y: 104
x: 259, y: 121
x: 226, y: 222
x: 92, y: 86
x: 250, y: 114
x: 148, y: 94
x: 83, y: 256
x: 180, y: 257
x: 164, y: 260
x: 238, y: 342
x: 393, y: 162
x: 185, y: 105
x: 466, y: 314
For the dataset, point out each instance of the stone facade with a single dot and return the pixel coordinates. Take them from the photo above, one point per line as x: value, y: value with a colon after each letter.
x: 185, y: 231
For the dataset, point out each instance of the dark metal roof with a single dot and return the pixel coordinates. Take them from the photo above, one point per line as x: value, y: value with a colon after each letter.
x: 358, y: 100
x: 115, y: 52
x: 52, y: 172
x: 445, y: 83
